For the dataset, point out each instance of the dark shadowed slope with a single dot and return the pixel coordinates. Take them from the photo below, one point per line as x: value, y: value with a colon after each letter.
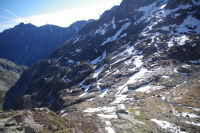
x: 9, y: 74
x: 26, y: 44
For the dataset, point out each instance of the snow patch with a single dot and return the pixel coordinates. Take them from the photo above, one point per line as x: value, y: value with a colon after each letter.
x: 196, y: 109
x: 70, y: 61
x: 194, y: 45
x: 144, y: 88
x: 189, y: 22
x: 86, y: 87
x: 163, y: 6
x: 120, y: 97
x: 193, y: 123
x: 63, y: 114
x: 77, y: 39
x: 183, y: 39
x: 138, y: 62
x: 176, y: 71
x: 128, y: 62
x: 103, y: 109
x: 113, y: 38
x: 187, y: 114
x: 165, y: 77
x: 99, y: 59
x: 120, y: 21
x: 194, y: 61
x: 107, y: 116
x: 78, y: 50
x: 103, y: 92
x: 109, y: 128
x: 123, y: 35
x: 168, y: 126
x: 103, y: 29
x: 96, y: 72
x: 113, y: 23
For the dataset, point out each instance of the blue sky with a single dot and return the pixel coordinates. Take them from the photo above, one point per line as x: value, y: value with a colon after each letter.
x: 57, y: 12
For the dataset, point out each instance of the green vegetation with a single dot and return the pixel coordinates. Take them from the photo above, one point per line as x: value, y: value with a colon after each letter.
x: 133, y: 112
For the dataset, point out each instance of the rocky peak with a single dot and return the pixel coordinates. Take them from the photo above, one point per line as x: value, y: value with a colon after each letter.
x: 22, y: 26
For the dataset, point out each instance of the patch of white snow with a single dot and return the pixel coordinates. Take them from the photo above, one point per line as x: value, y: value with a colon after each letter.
x: 167, y: 126
x: 99, y: 59
x: 113, y: 38
x: 109, y: 128
x: 193, y: 123
x: 96, y: 72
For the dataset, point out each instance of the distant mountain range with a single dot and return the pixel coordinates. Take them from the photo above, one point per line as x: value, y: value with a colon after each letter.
x: 26, y: 43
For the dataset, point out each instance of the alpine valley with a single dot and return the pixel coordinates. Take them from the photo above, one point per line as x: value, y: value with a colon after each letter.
x: 135, y: 70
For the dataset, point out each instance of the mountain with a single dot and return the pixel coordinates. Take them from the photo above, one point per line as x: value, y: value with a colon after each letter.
x: 136, y: 70
x: 9, y: 74
x: 26, y: 44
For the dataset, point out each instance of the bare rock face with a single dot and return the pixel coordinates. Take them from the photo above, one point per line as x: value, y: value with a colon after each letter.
x: 174, y: 4
x: 142, y: 54
x: 130, y: 5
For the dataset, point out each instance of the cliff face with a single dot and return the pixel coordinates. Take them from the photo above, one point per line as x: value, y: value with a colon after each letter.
x: 142, y: 54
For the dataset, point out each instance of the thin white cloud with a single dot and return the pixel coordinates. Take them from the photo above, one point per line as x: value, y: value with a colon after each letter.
x: 66, y: 17
x: 9, y: 12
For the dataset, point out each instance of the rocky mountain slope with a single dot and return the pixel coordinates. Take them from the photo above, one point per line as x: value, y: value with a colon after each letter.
x: 34, y: 121
x: 136, y: 69
x: 26, y: 44
x: 9, y: 74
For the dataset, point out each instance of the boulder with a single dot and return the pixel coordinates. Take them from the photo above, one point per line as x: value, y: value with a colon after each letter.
x: 121, y: 109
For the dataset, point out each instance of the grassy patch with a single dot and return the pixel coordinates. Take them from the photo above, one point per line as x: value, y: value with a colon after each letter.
x: 133, y: 112
x: 51, y: 121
